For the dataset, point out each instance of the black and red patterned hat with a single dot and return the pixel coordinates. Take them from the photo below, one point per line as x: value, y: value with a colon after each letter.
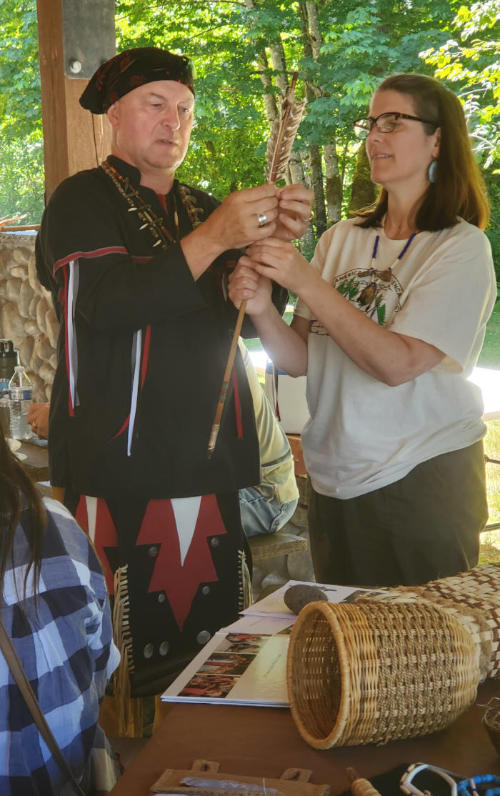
x: 131, y: 69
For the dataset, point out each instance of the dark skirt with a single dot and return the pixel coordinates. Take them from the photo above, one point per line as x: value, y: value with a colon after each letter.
x: 422, y: 527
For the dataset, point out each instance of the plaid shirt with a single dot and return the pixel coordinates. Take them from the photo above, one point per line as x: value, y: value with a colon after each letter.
x: 64, y: 641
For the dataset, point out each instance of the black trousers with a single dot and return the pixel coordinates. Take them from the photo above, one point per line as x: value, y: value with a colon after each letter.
x: 422, y: 527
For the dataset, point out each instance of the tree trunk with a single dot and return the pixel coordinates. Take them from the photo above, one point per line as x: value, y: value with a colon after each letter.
x: 270, y: 106
x: 364, y: 191
x: 333, y: 184
x: 279, y: 65
x: 315, y: 35
x: 333, y: 187
x: 315, y: 151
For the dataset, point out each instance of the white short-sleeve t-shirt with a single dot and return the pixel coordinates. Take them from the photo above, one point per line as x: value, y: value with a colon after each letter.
x: 362, y: 434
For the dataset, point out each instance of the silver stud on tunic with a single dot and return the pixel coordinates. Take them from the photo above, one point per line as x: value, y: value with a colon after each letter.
x: 148, y: 651
x: 203, y: 636
x: 164, y: 648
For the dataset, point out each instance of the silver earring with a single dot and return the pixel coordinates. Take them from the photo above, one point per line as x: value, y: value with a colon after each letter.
x: 432, y: 171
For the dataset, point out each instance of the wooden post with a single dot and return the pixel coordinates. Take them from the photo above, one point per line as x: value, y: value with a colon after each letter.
x: 75, y: 36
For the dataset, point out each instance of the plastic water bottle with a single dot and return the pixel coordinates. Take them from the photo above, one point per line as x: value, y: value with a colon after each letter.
x: 20, y: 397
x: 8, y: 361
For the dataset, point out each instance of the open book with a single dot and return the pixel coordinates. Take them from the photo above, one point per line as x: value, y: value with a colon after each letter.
x: 245, y: 663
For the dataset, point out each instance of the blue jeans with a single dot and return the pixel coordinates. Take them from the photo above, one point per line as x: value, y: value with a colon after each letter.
x: 263, y: 516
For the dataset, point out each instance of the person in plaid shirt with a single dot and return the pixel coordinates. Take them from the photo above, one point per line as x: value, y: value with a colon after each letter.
x: 55, y: 608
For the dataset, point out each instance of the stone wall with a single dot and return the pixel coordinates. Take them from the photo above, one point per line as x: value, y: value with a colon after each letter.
x: 26, y: 313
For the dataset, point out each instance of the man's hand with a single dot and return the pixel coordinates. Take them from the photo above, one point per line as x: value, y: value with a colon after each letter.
x: 243, y: 217
x: 38, y: 418
x: 294, y: 212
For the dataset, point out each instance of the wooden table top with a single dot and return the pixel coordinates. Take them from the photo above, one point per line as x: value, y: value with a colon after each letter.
x: 36, y: 463
x: 265, y: 742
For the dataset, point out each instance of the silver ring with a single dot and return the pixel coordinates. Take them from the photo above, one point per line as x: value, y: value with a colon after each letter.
x: 262, y: 219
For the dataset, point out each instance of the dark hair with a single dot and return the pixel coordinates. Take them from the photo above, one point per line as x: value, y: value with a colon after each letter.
x: 17, y: 493
x: 459, y: 189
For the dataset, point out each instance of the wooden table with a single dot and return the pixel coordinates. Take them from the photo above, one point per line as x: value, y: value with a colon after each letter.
x: 36, y: 463
x: 265, y: 742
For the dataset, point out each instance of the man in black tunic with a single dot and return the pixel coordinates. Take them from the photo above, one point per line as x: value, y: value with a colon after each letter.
x: 136, y: 263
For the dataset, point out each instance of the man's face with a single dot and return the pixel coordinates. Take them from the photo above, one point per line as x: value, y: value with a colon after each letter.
x: 152, y: 126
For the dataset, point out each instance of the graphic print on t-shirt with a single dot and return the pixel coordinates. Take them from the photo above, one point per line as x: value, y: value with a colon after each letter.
x: 374, y: 292
x: 369, y: 290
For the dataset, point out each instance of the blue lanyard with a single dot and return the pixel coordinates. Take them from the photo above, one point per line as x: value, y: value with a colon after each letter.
x: 402, y: 252
x: 468, y: 787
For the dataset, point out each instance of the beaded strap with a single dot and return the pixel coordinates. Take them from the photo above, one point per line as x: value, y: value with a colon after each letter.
x: 146, y: 215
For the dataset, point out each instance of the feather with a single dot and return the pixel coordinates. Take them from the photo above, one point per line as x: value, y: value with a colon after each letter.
x: 279, y: 147
x: 283, y: 132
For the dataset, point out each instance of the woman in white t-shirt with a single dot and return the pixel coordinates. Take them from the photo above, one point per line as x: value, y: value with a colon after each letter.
x: 390, y: 321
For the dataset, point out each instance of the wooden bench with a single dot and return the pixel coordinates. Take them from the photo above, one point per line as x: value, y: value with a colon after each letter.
x: 282, y: 542
x: 276, y: 544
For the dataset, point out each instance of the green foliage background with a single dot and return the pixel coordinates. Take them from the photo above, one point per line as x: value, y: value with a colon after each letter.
x: 361, y: 45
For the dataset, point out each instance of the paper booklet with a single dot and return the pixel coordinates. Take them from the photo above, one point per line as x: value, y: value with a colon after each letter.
x: 245, y: 663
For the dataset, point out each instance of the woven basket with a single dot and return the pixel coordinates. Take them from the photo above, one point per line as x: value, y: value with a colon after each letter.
x: 472, y: 597
x: 375, y: 672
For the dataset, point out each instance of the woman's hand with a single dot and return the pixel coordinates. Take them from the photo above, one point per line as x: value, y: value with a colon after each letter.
x: 294, y: 212
x: 279, y: 260
x: 246, y: 284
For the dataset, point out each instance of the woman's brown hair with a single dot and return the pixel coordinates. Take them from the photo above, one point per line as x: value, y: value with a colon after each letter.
x: 17, y: 494
x: 459, y: 188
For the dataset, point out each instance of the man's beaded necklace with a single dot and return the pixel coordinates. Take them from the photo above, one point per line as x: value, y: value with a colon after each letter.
x: 146, y: 215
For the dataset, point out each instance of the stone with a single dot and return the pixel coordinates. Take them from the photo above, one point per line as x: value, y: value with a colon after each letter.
x: 31, y: 327
x: 21, y: 255
x: 41, y: 312
x: 26, y: 353
x: 12, y: 326
x: 52, y: 327
x: 25, y: 300
x: 13, y: 290
x: 299, y: 595
x: 19, y: 272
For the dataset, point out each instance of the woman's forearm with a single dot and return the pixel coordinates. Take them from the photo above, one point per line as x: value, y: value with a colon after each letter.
x: 388, y: 356
x: 283, y: 344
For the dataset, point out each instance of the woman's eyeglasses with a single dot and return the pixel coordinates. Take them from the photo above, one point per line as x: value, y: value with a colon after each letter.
x: 422, y: 779
x: 385, y: 123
